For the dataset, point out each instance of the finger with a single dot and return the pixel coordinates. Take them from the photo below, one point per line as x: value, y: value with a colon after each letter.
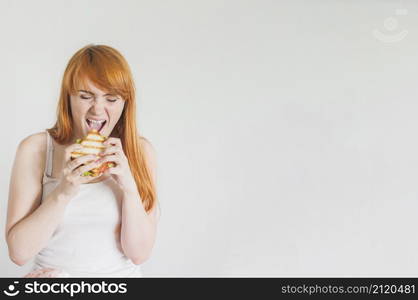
x: 113, y: 141
x: 88, y: 167
x: 107, y: 163
x: 115, y: 160
x: 86, y: 179
x: 114, y: 170
x: 111, y: 158
x: 110, y: 150
x: 69, y: 149
x: 74, y: 164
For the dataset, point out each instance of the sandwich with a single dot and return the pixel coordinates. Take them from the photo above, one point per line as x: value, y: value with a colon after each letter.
x: 92, y: 144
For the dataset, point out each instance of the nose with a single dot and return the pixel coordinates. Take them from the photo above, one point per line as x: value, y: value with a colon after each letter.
x: 97, y: 107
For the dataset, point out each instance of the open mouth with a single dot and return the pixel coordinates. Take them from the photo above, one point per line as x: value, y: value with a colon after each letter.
x: 97, y: 125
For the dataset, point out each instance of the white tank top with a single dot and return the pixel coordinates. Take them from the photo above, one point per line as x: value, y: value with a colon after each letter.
x: 87, y: 241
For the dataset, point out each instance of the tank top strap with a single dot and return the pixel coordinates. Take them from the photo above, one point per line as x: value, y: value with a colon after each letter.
x: 49, y: 155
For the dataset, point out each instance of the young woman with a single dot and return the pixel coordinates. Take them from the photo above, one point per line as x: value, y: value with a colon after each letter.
x: 82, y: 226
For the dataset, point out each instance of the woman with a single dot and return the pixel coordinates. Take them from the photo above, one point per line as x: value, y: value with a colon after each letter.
x: 82, y: 226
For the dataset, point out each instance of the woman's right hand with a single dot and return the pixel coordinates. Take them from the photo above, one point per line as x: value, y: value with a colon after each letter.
x: 72, y: 171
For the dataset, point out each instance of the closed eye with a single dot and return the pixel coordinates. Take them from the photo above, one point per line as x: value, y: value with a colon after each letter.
x: 87, y: 98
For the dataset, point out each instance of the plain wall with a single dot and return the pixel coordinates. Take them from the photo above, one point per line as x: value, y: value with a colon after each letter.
x: 285, y: 131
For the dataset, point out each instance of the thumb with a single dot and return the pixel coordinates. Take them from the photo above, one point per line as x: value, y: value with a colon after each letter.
x: 72, y: 148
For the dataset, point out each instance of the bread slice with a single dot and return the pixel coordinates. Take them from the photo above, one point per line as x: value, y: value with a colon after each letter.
x: 92, y: 144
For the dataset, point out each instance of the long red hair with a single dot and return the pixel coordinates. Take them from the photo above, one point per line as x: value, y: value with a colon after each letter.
x: 107, y: 69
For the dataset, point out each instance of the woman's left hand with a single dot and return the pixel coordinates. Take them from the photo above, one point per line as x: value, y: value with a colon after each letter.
x: 121, y: 172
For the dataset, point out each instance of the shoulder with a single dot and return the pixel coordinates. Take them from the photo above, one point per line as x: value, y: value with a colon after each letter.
x: 33, y: 144
x: 31, y: 152
x: 25, y: 187
x: 147, y: 147
x: 150, y: 154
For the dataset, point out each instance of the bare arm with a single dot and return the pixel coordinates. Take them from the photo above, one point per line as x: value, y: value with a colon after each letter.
x: 28, y: 236
x: 139, y: 228
x: 30, y: 223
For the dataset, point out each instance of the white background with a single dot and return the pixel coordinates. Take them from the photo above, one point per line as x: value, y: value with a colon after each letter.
x: 285, y: 130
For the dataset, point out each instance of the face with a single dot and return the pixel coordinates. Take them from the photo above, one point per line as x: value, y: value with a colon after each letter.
x: 95, y: 109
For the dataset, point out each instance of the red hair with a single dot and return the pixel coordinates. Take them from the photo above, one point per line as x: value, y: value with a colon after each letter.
x: 107, y: 69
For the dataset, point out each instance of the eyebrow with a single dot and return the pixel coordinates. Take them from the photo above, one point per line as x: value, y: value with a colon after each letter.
x: 91, y: 93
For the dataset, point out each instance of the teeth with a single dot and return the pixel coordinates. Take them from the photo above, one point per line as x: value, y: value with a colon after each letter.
x: 96, y: 122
